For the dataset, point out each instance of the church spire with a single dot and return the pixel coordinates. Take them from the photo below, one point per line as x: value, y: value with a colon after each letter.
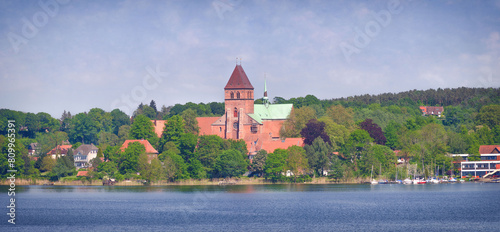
x: 265, y: 100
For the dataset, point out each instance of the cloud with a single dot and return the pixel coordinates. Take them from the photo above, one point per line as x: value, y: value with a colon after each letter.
x: 94, y: 52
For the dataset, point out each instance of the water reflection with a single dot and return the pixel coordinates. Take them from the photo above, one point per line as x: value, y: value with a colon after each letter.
x: 238, y: 189
x: 246, y: 189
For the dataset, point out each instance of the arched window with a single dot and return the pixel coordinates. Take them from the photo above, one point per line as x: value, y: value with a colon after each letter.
x: 238, y: 95
x: 249, y: 95
x: 235, y: 112
x: 232, y: 95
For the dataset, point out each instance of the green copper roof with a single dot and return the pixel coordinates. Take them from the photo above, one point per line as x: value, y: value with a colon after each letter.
x: 271, y: 112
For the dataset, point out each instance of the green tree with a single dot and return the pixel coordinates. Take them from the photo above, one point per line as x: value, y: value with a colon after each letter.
x: 9, y: 145
x: 337, y: 170
x: 169, y: 168
x: 130, y: 157
x: 47, y: 123
x: 112, y: 153
x: 195, y: 169
x: 209, y: 148
x: 102, y: 119
x: 119, y: 118
x: 359, y: 141
x: 108, y: 138
x: 48, y: 163
x: 457, y: 143
x: 145, y: 110
x: 149, y: 112
x: 47, y: 141
x: 177, y: 168
x: 187, y: 145
x: 342, y: 116
x: 259, y: 161
x: 174, y: 129
x: 83, y: 129
x: 337, y: 133
x: 66, y: 121
x: 94, y: 163
x: 489, y: 116
x: 142, y: 128
x: 239, y: 145
x: 32, y: 124
x: 296, y: 122
x: 152, y: 104
x: 108, y: 168
x: 297, y: 161
x: 230, y: 163
x: 143, y: 166
x: 391, y: 134
x: 317, y: 155
x: 276, y: 163
x: 63, y: 167
x: 123, y: 133
x: 156, y: 171
x: 191, y: 124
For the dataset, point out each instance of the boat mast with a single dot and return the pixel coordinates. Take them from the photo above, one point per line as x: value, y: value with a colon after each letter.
x: 396, y: 173
x: 371, y: 175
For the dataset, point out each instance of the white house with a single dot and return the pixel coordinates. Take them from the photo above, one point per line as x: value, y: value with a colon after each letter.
x: 84, y: 154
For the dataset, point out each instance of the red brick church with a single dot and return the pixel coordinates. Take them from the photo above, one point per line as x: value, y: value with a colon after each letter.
x: 257, y: 124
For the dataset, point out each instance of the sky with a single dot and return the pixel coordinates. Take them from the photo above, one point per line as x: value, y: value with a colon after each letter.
x: 58, y: 55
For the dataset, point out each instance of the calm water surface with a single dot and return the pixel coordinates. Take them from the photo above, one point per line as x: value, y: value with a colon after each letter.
x: 445, y: 207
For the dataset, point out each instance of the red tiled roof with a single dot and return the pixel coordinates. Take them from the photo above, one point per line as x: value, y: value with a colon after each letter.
x: 63, y: 148
x: 205, y: 124
x: 238, y: 79
x: 149, y: 149
x: 272, y: 145
x: 82, y: 173
x: 431, y: 109
x: 489, y: 149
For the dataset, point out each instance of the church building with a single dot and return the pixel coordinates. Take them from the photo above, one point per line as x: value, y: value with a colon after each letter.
x: 257, y: 124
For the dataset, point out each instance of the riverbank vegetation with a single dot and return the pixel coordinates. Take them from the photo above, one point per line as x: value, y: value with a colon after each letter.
x: 344, y: 138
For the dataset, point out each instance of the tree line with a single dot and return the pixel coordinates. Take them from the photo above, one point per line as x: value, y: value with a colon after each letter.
x: 344, y: 138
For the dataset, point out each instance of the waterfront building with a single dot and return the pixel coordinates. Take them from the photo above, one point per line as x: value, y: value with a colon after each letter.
x: 151, y: 152
x: 257, y: 124
x: 84, y: 154
x: 490, y: 161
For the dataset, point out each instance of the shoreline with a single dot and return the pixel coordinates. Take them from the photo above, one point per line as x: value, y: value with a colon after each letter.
x: 235, y: 181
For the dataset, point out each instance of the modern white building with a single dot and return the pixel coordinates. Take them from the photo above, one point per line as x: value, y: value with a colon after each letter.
x: 490, y: 161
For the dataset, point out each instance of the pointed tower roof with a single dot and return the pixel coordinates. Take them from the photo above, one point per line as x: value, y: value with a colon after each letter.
x: 238, y: 80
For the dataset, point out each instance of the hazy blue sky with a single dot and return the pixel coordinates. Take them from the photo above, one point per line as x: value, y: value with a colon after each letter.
x: 77, y: 55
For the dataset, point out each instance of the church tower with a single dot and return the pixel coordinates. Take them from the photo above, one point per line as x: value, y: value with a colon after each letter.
x: 239, y: 101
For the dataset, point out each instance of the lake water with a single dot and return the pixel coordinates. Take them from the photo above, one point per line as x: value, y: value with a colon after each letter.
x: 444, y: 207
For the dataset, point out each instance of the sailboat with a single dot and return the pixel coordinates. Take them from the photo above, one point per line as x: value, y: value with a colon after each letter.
x: 452, y: 178
x: 372, y: 181
x: 382, y: 181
